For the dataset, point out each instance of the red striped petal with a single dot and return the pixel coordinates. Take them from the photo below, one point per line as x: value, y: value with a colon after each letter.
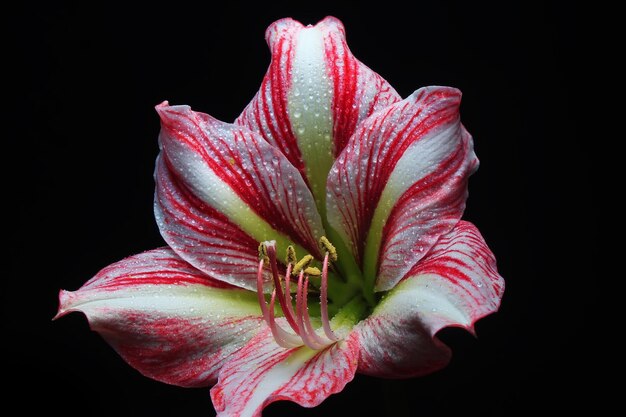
x: 456, y: 284
x: 165, y: 318
x: 313, y: 96
x: 238, y: 175
x: 402, y: 182
x: 263, y: 372
x: 202, y: 235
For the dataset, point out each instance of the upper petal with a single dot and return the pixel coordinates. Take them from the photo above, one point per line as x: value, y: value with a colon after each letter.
x: 313, y: 96
x: 263, y: 372
x: 165, y: 318
x: 402, y: 182
x: 219, y: 181
x: 456, y: 284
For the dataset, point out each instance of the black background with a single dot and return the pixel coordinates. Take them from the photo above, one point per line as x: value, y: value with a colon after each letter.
x: 84, y: 134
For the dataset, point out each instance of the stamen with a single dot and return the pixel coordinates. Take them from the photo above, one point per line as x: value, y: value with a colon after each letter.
x: 271, y: 253
x: 324, y: 301
x: 288, y: 292
x: 259, y: 291
x: 308, y: 335
x: 282, y: 337
x: 300, y: 320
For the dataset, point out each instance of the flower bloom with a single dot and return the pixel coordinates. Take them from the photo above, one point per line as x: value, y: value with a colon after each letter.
x: 317, y: 236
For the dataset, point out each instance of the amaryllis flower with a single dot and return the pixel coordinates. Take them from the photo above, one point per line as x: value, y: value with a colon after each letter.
x: 317, y: 236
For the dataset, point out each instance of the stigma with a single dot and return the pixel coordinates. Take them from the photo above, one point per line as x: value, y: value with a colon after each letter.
x: 302, y: 331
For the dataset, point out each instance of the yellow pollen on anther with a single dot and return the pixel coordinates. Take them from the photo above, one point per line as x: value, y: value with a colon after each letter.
x: 263, y: 253
x: 328, y: 247
x: 303, y: 264
x: 291, y: 257
x: 313, y: 271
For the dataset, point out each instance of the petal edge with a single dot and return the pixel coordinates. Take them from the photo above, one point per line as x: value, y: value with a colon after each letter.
x: 454, y: 285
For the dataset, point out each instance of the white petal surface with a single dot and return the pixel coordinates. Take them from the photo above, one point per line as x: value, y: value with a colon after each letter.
x: 165, y: 318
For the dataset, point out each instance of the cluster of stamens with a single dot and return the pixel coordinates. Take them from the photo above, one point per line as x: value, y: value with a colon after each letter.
x: 299, y: 320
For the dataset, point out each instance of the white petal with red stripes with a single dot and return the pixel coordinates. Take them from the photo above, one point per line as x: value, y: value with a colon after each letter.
x: 165, y: 318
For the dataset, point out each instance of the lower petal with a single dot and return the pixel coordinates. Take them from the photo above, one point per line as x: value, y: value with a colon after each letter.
x: 165, y: 318
x: 456, y: 284
x: 263, y: 372
x: 395, y: 345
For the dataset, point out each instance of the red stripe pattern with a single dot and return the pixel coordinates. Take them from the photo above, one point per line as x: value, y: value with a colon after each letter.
x: 195, y: 144
x: 428, y: 209
x: 267, y: 113
x: 425, y: 132
x: 456, y: 284
x: 263, y: 372
x: 467, y: 268
x: 356, y: 91
x: 153, y: 309
x: 201, y: 235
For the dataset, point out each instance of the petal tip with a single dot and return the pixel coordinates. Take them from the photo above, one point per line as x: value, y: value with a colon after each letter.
x: 440, y: 92
x: 279, y: 28
x: 331, y: 23
x: 163, y: 104
x: 65, y: 299
x: 168, y: 112
x: 289, y: 27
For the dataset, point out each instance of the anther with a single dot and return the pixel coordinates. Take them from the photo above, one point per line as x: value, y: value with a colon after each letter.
x: 313, y: 271
x: 263, y: 253
x: 291, y: 257
x: 326, y: 246
x: 302, y: 264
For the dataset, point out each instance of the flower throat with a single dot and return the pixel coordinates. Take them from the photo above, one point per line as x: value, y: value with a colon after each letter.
x: 299, y: 319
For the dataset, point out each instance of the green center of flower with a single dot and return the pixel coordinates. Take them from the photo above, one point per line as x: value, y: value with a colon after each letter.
x: 347, y: 305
